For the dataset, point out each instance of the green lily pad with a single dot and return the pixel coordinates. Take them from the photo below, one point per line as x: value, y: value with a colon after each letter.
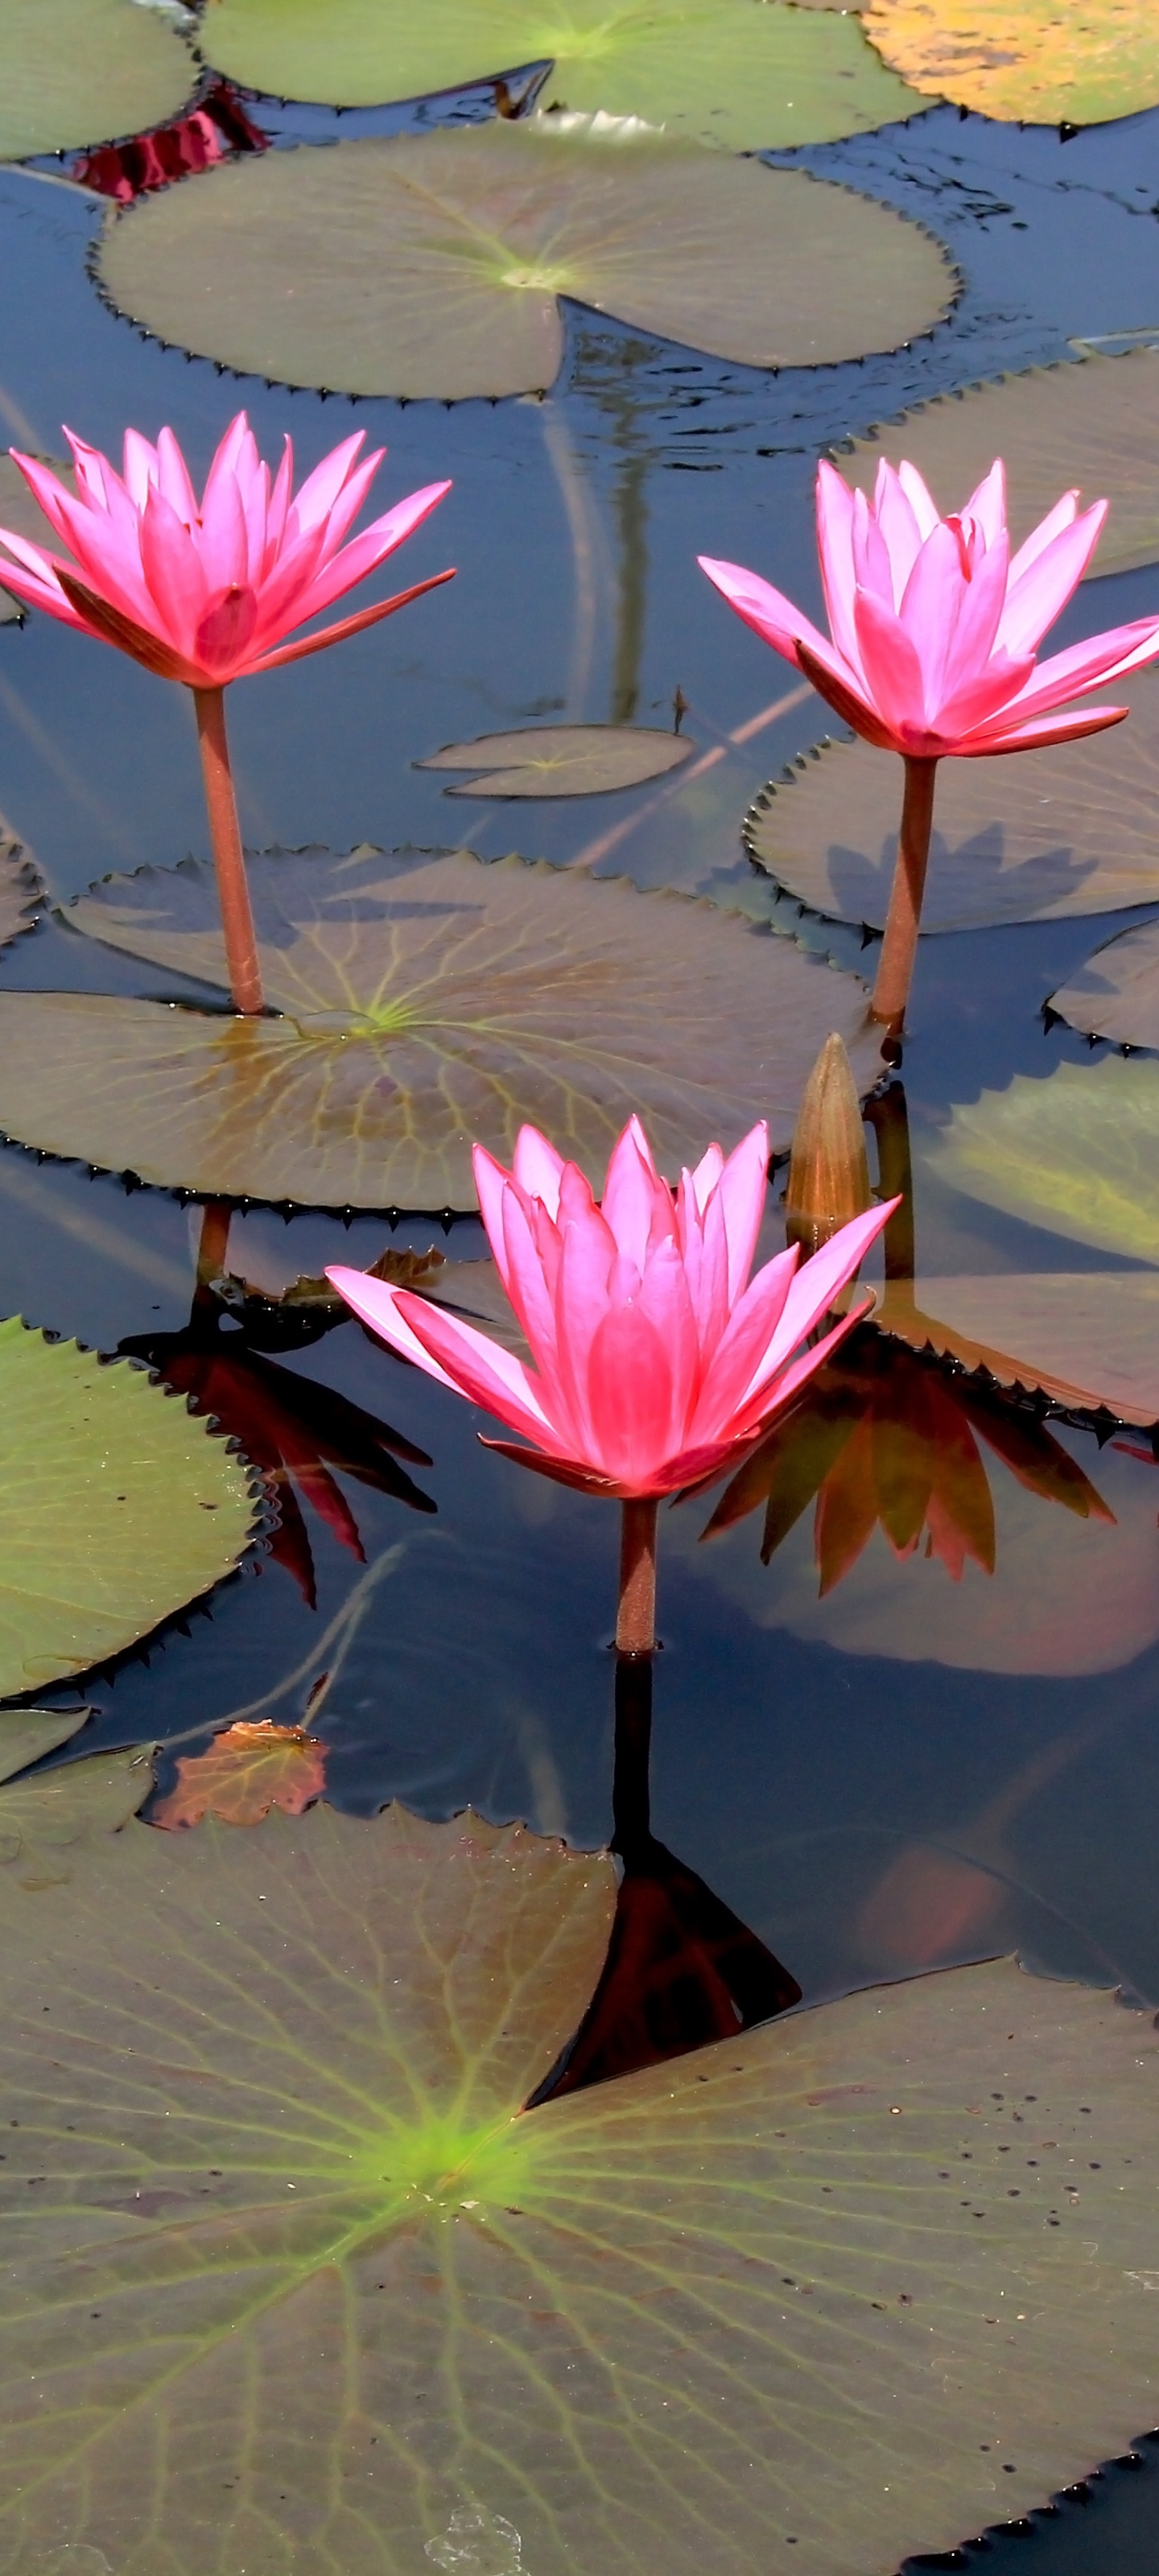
x: 608, y: 2333
x: 1088, y: 1339
x: 427, y: 1001
x: 116, y: 1508
x: 1025, y: 60
x: 1067, y: 830
x: 432, y: 264
x: 24, y: 516
x: 1087, y: 422
x: 1077, y: 1153
x: 49, y: 1824
x: 749, y: 74
x: 86, y: 71
x: 562, y: 760
x: 1116, y: 994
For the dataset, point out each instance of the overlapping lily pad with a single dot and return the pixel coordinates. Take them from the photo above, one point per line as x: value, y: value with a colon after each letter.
x: 49, y: 1823
x: 1116, y: 994
x: 749, y: 74
x: 22, y: 892
x: 432, y: 264
x: 1088, y: 423
x: 247, y: 1769
x: 1067, y: 830
x: 575, y: 2329
x: 562, y: 760
x: 86, y: 71
x: 1089, y: 1338
x: 1077, y: 1153
x: 1028, y: 60
x: 22, y: 514
x: 116, y: 1508
x: 426, y: 1000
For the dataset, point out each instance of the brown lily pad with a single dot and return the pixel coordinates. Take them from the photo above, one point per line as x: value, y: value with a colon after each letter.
x: 562, y: 760
x: 248, y: 1769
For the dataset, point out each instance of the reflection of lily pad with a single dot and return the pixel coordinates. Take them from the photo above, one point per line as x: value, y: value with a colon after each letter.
x: 86, y: 71
x: 1077, y: 1153
x: 23, y: 515
x: 562, y: 760
x: 578, y: 2327
x: 428, y: 1001
x: 1071, y: 829
x: 1088, y: 1339
x: 116, y: 1508
x: 1116, y: 993
x: 745, y: 73
x: 433, y: 263
x: 1029, y: 60
x: 1089, y: 424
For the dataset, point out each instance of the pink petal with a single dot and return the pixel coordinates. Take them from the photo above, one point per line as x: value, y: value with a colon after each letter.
x: 766, y: 610
x: 899, y: 526
x: 872, y: 568
x: 365, y: 553
x: 920, y: 498
x: 846, y: 701
x: 894, y: 678
x: 756, y: 1414
x: 817, y: 1283
x: 36, y: 580
x: 629, y: 1396
x: 173, y: 477
x: 1030, y: 737
x: 743, y: 1347
x: 929, y: 612
x: 587, y: 1257
x: 743, y: 1184
x: 346, y: 626
x: 174, y: 573
x: 320, y: 490
x: 373, y: 1301
x: 538, y: 1168
x: 987, y: 505
x: 1102, y: 658
x: 466, y: 1360
x: 45, y: 490
x: 980, y: 698
x: 1063, y: 515
x: 835, y: 548
x: 140, y: 461
x: 1037, y: 595
x: 635, y: 1202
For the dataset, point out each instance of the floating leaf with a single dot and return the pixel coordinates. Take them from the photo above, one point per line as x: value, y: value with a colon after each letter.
x: 27, y: 1734
x: 1088, y: 423
x: 749, y: 74
x: 563, y: 760
x: 1025, y: 60
x: 21, y: 889
x: 618, y: 2328
x: 86, y: 71
x: 1088, y: 1339
x: 427, y: 1001
x: 48, y: 1823
x: 246, y: 1770
x: 1071, y: 829
x: 116, y: 1508
x: 1116, y: 993
x: 23, y: 515
x: 431, y: 264
x: 1077, y: 1153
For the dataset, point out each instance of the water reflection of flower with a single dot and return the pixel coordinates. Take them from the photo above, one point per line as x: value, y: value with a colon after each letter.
x: 885, y: 1438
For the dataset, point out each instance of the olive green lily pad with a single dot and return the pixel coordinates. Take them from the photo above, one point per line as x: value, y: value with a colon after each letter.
x: 1088, y: 423
x: 562, y: 760
x: 1116, y: 994
x: 1077, y: 1153
x: 432, y: 264
x: 749, y: 74
x: 22, y: 893
x: 87, y: 71
x: 1071, y: 829
x: 1026, y: 60
x: 616, y: 2331
x: 116, y: 1508
x: 24, y: 516
x: 48, y: 1824
x: 426, y: 1000
x: 1089, y: 1339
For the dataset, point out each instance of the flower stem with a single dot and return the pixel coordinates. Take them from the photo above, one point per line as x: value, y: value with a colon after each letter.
x: 899, y: 946
x: 237, y: 921
x: 636, y: 1618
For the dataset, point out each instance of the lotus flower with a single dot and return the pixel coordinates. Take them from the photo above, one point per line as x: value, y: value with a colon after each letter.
x: 931, y: 653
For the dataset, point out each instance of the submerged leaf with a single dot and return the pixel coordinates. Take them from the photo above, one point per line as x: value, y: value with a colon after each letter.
x: 86, y: 71
x: 1027, y: 60
x: 1077, y: 1153
x: 562, y: 760
x: 807, y: 2287
x: 247, y: 1769
x: 432, y: 264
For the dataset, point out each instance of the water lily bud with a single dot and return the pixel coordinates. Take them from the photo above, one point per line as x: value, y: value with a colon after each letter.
x: 828, y: 1169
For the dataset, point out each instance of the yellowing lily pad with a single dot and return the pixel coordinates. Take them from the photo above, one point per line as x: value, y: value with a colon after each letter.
x: 24, y: 516
x: 86, y: 71
x: 1077, y: 1152
x: 1088, y: 1339
x: 1116, y: 994
x: 749, y: 74
x: 432, y: 264
x: 1088, y: 423
x: 426, y: 1001
x: 116, y: 1508
x: 562, y: 760
x: 1039, y: 62
x: 1070, y: 829
x: 606, y: 2333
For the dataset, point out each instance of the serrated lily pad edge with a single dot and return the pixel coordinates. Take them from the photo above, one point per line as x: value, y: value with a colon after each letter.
x: 17, y: 860
x: 791, y: 776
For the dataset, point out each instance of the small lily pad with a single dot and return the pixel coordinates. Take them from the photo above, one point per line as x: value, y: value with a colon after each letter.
x: 749, y: 74
x: 1071, y: 829
x: 1087, y: 423
x: 562, y: 760
x: 432, y: 264
x: 24, y: 516
x: 1025, y: 60
x: 1089, y: 1340
x: 1116, y: 994
x: 87, y: 71
x: 426, y: 1001
x: 1077, y: 1152
x: 116, y: 1508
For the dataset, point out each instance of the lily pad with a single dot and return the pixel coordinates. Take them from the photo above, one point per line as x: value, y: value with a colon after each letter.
x: 24, y: 516
x: 427, y: 1001
x: 1088, y: 1339
x: 1068, y: 830
x: 86, y: 71
x: 1025, y: 60
x: 562, y: 760
x: 48, y: 1824
x: 1087, y: 423
x: 432, y: 264
x: 22, y: 891
x: 116, y: 1508
x: 1116, y: 994
x: 247, y: 1769
x: 1077, y: 1153
x: 607, y: 2332
x: 749, y: 74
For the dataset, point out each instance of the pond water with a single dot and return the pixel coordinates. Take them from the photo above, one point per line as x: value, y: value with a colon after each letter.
x: 906, y: 1771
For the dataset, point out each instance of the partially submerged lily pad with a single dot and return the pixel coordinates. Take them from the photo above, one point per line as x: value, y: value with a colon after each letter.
x: 562, y: 760
x: 577, y: 2326
x: 1067, y: 830
x: 1077, y: 1153
x: 48, y: 1824
x: 1089, y: 422
x: 1116, y: 993
x: 749, y: 74
x: 116, y: 1508
x: 427, y: 1001
x: 1026, y: 60
x: 1088, y: 1339
x: 86, y: 71
x: 432, y: 264
x: 24, y: 516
